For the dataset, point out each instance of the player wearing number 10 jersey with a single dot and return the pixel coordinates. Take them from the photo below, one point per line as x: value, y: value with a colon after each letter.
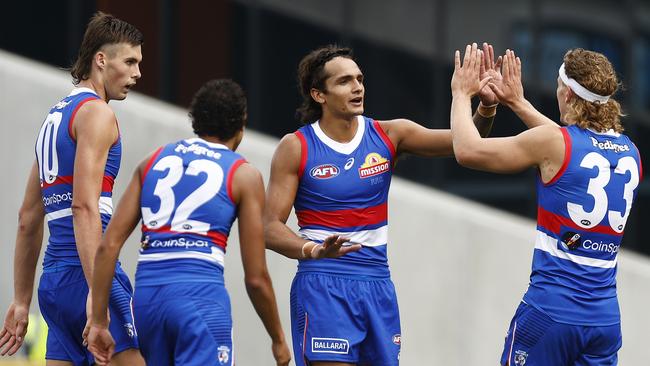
x: 78, y: 152
x: 589, y: 175
x: 188, y: 193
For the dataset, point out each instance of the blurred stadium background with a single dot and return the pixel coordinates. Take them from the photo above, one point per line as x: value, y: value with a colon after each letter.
x: 455, y: 304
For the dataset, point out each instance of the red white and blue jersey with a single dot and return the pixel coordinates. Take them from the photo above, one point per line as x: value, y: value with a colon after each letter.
x: 343, y: 190
x: 55, y: 153
x: 187, y: 212
x: 580, y: 222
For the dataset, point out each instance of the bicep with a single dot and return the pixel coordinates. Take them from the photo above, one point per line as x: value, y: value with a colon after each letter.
x: 410, y: 137
x: 508, y: 154
x: 249, y: 216
x: 283, y: 183
x: 32, y: 200
x: 95, y: 134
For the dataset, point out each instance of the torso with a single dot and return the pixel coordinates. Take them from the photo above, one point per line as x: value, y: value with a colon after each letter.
x: 581, y: 218
x: 55, y: 153
x: 187, y: 212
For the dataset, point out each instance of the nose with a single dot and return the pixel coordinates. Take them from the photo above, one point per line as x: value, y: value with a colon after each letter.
x: 357, y: 87
x: 137, y: 74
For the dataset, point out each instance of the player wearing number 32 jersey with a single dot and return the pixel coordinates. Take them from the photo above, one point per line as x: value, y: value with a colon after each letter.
x: 188, y: 193
x: 589, y: 173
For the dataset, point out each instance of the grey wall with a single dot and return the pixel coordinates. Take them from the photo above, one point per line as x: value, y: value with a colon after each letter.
x: 460, y: 268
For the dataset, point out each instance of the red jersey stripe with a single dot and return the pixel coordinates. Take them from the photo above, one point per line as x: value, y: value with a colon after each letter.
x: 553, y: 223
x: 344, y: 218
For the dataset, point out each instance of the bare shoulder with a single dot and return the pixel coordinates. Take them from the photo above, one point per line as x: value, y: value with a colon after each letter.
x: 288, y: 153
x: 247, y: 174
x: 95, y: 110
x: 398, y: 123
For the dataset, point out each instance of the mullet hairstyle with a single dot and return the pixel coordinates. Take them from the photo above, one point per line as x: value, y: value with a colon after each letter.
x: 593, y: 71
x: 103, y: 29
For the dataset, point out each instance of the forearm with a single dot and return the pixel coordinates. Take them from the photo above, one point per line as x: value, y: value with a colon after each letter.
x: 281, y: 239
x: 529, y: 115
x: 28, y: 248
x: 102, y: 280
x: 464, y: 132
x: 484, y: 119
x: 88, y: 233
x: 260, y: 292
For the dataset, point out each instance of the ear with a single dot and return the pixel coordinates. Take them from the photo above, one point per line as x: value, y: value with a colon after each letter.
x: 317, y: 95
x: 100, y: 60
x: 568, y: 95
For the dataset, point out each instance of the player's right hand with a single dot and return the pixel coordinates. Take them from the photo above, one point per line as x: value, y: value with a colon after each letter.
x: 100, y: 344
x: 510, y: 90
x: 281, y: 353
x: 332, y: 247
x: 14, y: 329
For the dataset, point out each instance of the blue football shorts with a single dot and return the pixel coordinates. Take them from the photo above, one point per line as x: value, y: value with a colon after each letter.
x: 184, y: 324
x: 62, y: 294
x: 534, y: 339
x: 344, y: 319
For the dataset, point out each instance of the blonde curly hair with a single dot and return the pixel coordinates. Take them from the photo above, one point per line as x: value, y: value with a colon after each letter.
x: 593, y: 71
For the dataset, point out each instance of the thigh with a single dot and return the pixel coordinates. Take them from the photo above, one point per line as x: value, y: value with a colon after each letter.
x: 184, y: 325
x: 384, y: 340
x: 327, y: 319
x: 62, y: 301
x: 122, y: 325
x: 534, y: 339
x: 602, y: 347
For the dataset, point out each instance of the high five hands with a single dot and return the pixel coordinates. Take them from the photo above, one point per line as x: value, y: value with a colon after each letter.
x: 466, y: 81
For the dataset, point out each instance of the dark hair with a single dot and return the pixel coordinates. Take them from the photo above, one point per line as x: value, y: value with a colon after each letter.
x: 103, y: 29
x: 311, y: 75
x: 218, y: 109
x: 593, y: 71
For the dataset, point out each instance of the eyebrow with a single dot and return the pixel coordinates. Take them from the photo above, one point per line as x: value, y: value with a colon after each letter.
x: 348, y: 77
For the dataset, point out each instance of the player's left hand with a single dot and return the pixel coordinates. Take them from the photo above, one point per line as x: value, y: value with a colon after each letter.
x: 466, y: 81
x: 492, y: 69
x: 332, y: 247
x: 14, y: 329
x: 100, y: 344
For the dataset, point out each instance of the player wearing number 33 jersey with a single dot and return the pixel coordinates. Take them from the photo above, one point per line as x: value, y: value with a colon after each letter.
x: 589, y: 173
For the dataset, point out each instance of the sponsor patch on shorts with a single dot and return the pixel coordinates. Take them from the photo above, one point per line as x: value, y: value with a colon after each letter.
x: 330, y: 345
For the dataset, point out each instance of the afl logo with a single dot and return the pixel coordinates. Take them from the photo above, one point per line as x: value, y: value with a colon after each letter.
x: 397, y: 339
x: 324, y: 171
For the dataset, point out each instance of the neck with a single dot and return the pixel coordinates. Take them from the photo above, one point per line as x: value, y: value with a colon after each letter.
x: 96, y: 86
x: 339, y: 129
x: 231, y: 144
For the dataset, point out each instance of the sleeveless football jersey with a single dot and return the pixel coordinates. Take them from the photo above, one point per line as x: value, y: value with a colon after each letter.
x: 55, y: 153
x: 580, y: 222
x: 343, y: 190
x: 187, y: 212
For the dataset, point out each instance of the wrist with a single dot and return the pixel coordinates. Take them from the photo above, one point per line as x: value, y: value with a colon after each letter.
x: 308, y: 250
x: 487, y: 111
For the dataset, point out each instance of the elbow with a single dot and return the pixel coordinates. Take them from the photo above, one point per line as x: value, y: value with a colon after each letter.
x: 257, y: 283
x: 27, y: 220
x: 464, y: 156
x: 83, y: 209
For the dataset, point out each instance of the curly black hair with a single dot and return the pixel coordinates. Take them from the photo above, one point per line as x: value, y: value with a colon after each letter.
x: 311, y: 75
x: 218, y: 109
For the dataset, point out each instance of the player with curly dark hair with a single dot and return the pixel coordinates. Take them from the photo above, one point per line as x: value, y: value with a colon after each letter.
x: 187, y: 194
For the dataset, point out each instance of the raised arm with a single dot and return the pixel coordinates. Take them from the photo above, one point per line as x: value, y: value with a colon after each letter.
x: 542, y: 146
x: 95, y: 130
x: 410, y: 137
x: 510, y: 91
x: 125, y: 219
x: 29, y: 239
x: 248, y: 193
x: 280, y: 195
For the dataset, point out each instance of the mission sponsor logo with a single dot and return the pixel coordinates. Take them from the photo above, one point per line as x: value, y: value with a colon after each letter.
x: 324, y: 171
x: 374, y: 164
x: 330, y: 345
